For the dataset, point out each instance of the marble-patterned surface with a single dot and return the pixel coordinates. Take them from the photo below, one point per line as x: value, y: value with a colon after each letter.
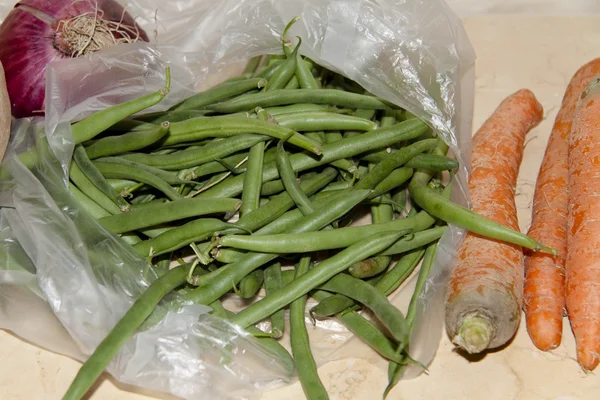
x: 540, y: 53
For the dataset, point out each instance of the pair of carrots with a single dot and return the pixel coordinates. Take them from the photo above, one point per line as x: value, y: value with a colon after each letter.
x: 492, y: 280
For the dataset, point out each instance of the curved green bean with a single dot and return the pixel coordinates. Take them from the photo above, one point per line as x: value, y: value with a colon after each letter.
x: 306, y: 80
x: 284, y: 73
x: 220, y: 92
x: 294, y: 96
x: 251, y: 284
x: 170, y: 177
x: 290, y: 183
x: 89, y: 189
x: 165, y: 212
x: 214, y: 167
x: 94, y: 124
x: 324, y: 121
x: 112, y: 145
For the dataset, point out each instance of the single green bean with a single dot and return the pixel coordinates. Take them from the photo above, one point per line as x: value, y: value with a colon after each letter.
x: 252, y: 65
x: 284, y: 73
x: 123, y: 330
x: 220, y: 92
x: 95, y: 176
x: 373, y: 299
x: 112, y: 145
x: 432, y: 162
x: 171, y: 116
x: 333, y: 136
x: 214, y: 167
x: 166, y: 212
x: 294, y: 96
x: 335, y: 151
x: 181, y: 236
x: 274, y: 281
x: 251, y: 284
x: 315, y: 277
x: 285, y: 243
x: 290, y: 183
x: 94, y: 124
x: 324, y: 121
x: 396, y: 178
x: 360, y: 113
x: 253, y: 179
x: 113, y: 170
x: 87, y: 203
x: 306, y: 80
x: 268, y: 71
x: 300, y: 344
x: 121, y: 185
x: 304, y: 108
x: 293, y: 83
x: 272, y: 187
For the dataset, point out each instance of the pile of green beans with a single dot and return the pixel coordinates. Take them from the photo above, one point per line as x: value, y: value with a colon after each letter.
x: 251, y: 182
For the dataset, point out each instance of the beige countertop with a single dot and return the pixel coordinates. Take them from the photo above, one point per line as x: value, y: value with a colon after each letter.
x: 539, y: 53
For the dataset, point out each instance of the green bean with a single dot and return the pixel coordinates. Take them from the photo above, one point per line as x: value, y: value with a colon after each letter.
x: 220, y: 92
x: 293, y: 83
x: 324, y: 121
x: 87, y: 203
x: 338, y: 186
x: 343, y: 149
x: 171, y: 116
x: 452, y: 213
x: 333, y: 136
x: 123, y: 330
x: 225, y: 125
x: 287, y: 43
x: 370, y: 267
x: 432, y: 162
x: 91, y: 172
x: 272, y: 187
x: 418, y: 239
x: 284, y: 73
x: 380, y: 171
x: 252, y: 65
x: 395, y: 370
x: 84, y: 185
x: 360, y: 113
x: 274, y: 281
x: 222, y: 280
x: 397, y: 178
x: 285, y: 243
x: 373, y: 299
x: 112, y: 145
x: 113, y: 170
x: 166, y: 212
x: 167, y: 176
x: 364, y: 330
x: 283, y: 202
x: 253, y: 179
x: 304, y: 108
x: 250, y: 285
x: 152, y: 202
x: 290, y: 183
x: 215, y: 166
x: 315, y: 277
x: 121, y: 185
x: 94, y: 124
x: 294, y: 96
x: 130, y: 125
x: 299, y: 341
x: 181, y: 236
x: 304, y: 75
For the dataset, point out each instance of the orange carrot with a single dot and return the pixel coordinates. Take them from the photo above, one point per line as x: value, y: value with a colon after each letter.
x: 483, y: 305
x: 544, y: 297
x: 583, y: 227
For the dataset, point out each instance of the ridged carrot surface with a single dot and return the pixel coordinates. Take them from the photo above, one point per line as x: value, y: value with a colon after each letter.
x: 544, y: 295
x: 486, y: 286
x: 583, y: 228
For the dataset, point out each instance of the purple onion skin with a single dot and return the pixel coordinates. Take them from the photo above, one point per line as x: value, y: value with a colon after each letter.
x: 28, y: 44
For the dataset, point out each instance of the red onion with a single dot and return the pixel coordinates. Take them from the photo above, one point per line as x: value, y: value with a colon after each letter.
x: 37, y: 32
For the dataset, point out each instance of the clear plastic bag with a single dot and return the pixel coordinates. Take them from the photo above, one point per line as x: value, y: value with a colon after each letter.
x: 413, y: 53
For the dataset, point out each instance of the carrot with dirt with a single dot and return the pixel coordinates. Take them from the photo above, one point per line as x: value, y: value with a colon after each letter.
x: 583, y: 228
x: 544, y: 293
x: 485, y: 292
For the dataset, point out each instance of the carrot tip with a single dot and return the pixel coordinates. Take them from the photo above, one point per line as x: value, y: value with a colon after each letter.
x: 474, y: 334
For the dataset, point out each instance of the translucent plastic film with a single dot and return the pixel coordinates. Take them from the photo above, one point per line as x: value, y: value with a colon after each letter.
x: 413, y: 53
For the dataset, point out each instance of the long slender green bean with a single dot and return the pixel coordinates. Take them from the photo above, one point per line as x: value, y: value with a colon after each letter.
x: 250, y: 285
x: 274, y: 281
x: 83, y: 183
x: 94, y: 124
x: 299, y: 341
x: 253, y: 179
x: 324, y: 121
x: 112, y: 145
x: 166, y: 212
x: 168, y: 176
x: 87, y: 203
x: 123, y: 330
x: 220, y: 92
x: 284, y: 73
x: 290, y: 183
